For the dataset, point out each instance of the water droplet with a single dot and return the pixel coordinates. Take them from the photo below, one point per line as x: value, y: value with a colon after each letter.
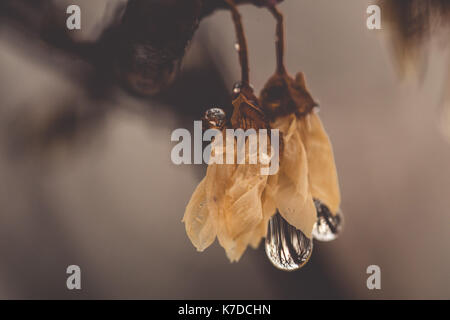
x: 237, y: 46
x: 215, y: 117
x: 328, y: 226
x: 237, y: 89
x: 286, y: 247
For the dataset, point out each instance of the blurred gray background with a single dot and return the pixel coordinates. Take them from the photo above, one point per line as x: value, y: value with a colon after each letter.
x: 98, y: 188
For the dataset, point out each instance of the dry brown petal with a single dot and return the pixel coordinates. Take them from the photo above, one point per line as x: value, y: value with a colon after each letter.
x: 247, y: 114
x: 282, y: 95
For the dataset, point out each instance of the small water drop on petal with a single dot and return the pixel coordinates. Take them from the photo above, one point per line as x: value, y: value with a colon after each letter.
x: 237, y: 89
x: 328, y: 226
x: 215, y: 117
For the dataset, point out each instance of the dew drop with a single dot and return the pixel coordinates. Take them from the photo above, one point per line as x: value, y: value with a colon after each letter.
x: 215, y: 117
x: 237, y: 47
x: 328, y: 226
x: 286, y: 247
x: 237, y: 87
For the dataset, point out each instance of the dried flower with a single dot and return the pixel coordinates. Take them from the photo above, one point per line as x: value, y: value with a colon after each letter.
x: 234, y: 202
x: 307, y: 158
x: 228, y: 203
x: 307, y: 168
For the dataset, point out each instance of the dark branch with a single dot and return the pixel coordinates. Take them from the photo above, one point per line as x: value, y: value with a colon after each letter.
x: 143, y: 50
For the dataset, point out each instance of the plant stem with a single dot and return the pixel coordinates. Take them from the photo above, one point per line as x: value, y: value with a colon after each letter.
x: 281, y: 69
x: 242, y: 42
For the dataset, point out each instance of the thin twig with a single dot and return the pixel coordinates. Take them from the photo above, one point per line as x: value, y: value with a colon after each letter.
x: 242, y: 43
x: 281, y: 69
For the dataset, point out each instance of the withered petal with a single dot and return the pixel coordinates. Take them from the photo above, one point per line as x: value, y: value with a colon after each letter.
x: 200, y: 224
x: 247, y: 114
x: 269, y: 208
x: 293, y: 199
x: 234, y: 193
x: 323, y: 179
x: 282, y: 96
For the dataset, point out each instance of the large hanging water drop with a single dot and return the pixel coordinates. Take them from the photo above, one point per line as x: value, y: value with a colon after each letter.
x: 328, y: 226
x: 286, y: 247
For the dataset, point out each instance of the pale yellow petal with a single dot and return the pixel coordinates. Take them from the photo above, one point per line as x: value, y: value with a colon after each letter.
x: 309, y: 217
x: 200, y: 224
x: 292, y: 180
x: 269, y: 208
x: 236, y: 197
x: 218, y: 177
x: 323, y: 179
x: 254, y: 236
x: 244, y: 198
x: 238, y: 246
